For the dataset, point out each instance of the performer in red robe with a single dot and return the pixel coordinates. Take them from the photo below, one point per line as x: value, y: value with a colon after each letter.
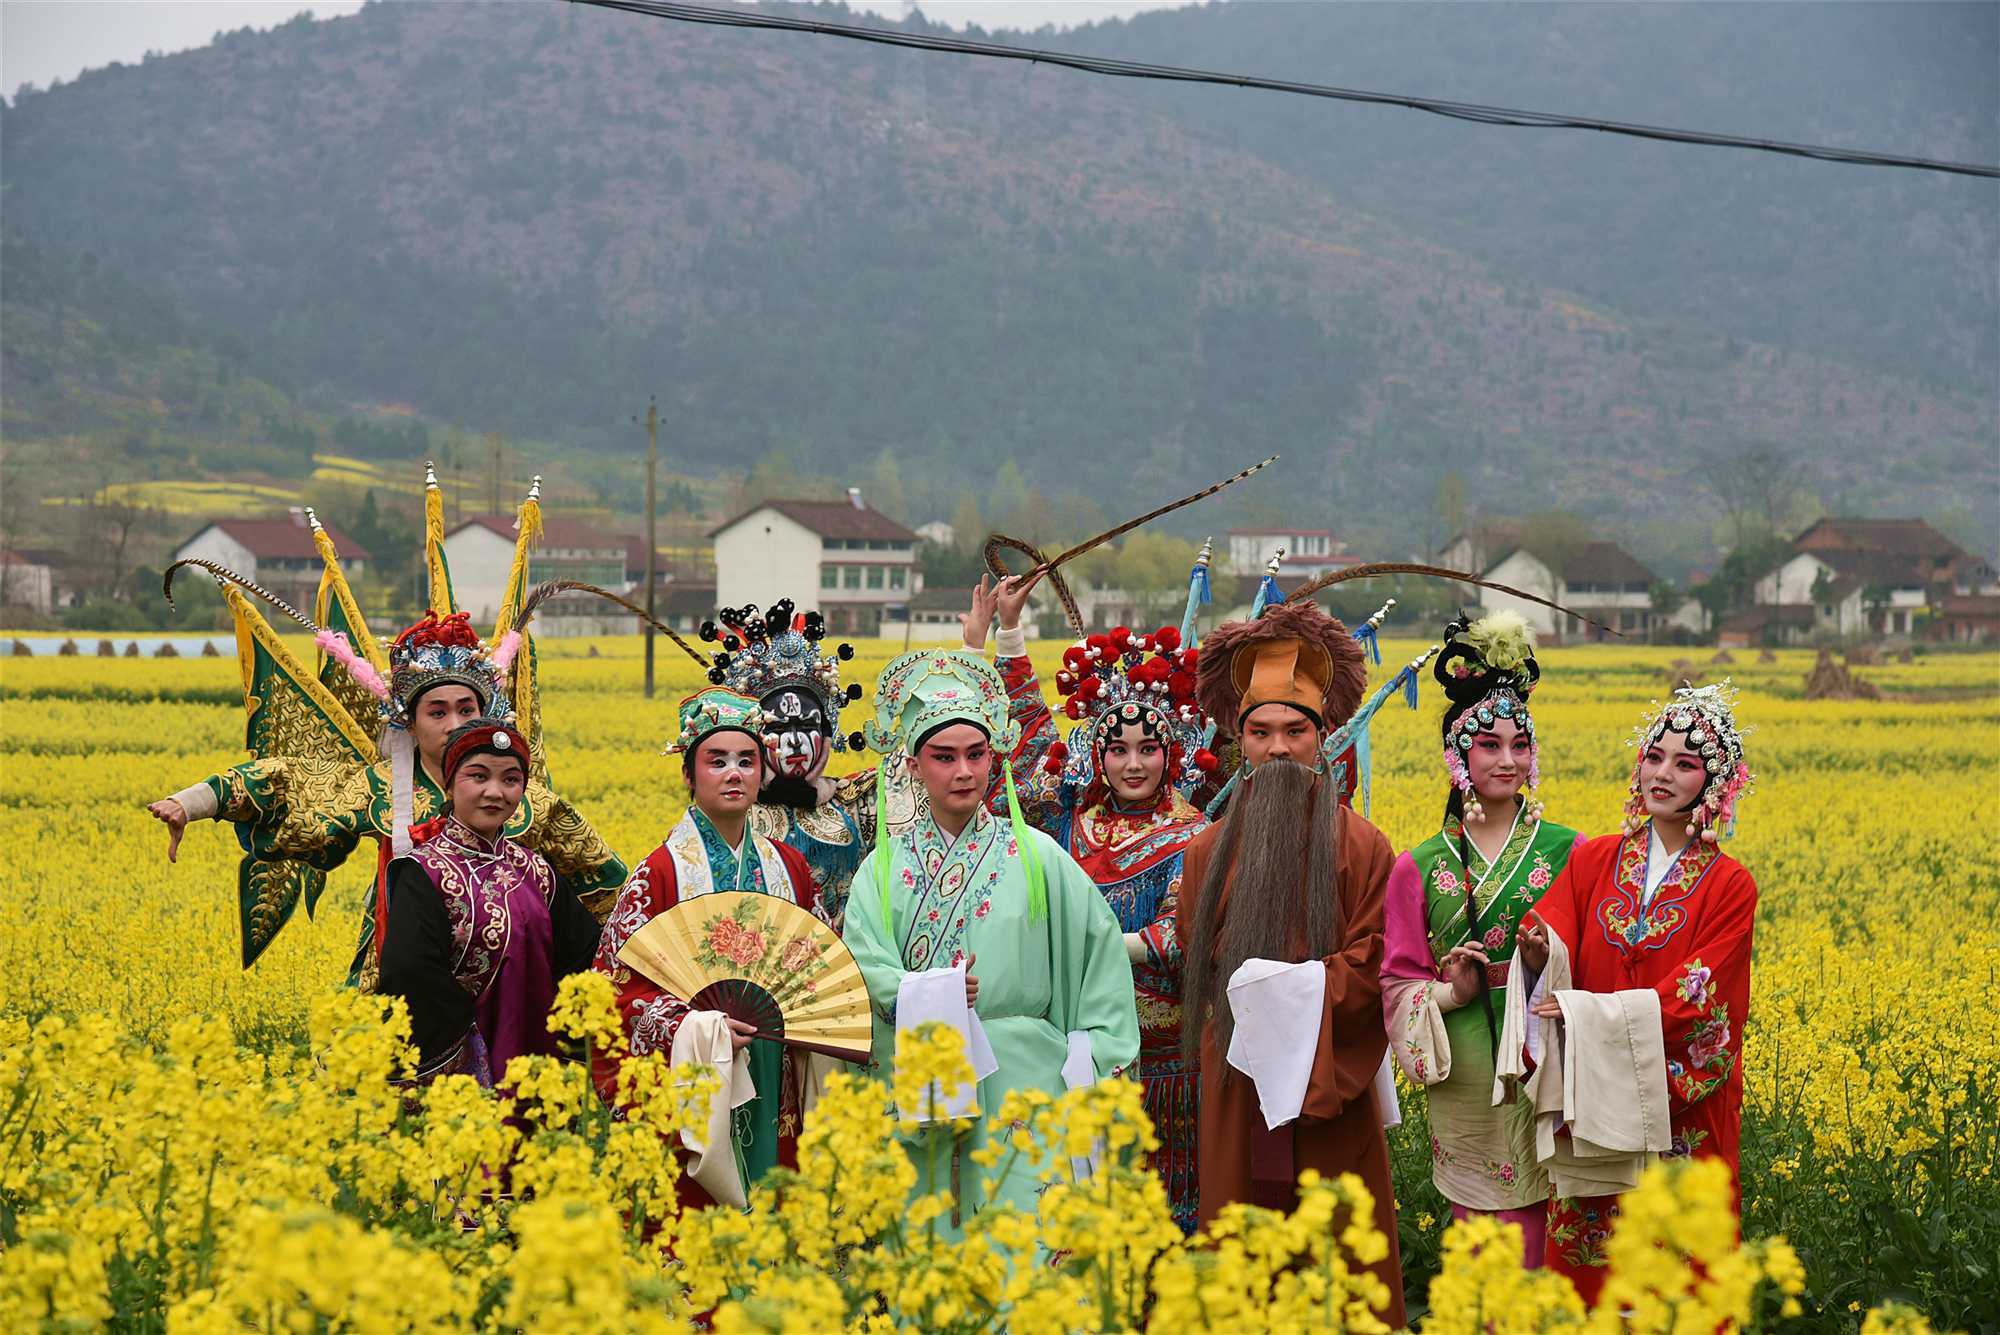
x: 713, y: 850
x: 1661, y: 907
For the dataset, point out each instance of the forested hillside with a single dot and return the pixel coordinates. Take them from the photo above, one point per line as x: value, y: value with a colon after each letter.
x: 525, y: 218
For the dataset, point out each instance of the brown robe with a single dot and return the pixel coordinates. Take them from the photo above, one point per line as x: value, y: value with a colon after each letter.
x: 1339, y: 1129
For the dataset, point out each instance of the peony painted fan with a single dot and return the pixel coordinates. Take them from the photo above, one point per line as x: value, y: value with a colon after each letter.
x: 760, y: 959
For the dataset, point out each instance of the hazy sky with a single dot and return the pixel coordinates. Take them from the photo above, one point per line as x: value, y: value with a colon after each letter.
x: 45, y: 40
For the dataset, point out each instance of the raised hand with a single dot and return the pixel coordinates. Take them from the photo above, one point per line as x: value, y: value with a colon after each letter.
x: 175, y: 817
x: 740, y: 1033
x: 974, y: 621
x: 971, y: 983
x: 1012, y: 596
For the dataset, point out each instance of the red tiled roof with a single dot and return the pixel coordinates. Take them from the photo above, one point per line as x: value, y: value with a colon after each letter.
x: 1769, y: 614
x: 1588, y: 563
x: 830, y: 519
x: 270, y: 539
x: 1911, y: 539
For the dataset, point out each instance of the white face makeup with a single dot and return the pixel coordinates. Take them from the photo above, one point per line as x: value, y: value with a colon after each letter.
x: 796, y: 733
x: 1671, y: 776
x: 725, y: 773
x: 955, y: 765
x: 1133, y: 763
x: 1501, y: 758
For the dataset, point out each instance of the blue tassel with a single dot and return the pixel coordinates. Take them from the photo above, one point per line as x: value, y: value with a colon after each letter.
x: 1366, y: 638
x: 1267, y: 593
x: 1364, y: 763
x: 1410, y: 687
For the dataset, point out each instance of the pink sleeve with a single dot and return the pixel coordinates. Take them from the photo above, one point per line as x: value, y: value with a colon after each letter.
x: 1405, y: 929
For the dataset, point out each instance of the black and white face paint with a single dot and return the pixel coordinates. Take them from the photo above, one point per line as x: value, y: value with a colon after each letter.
x: 796, y: 733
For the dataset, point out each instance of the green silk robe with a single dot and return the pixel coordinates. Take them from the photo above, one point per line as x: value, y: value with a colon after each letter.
x: 1038, y: 981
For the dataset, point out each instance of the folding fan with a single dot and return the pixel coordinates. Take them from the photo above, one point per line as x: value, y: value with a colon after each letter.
x: 763, y: 960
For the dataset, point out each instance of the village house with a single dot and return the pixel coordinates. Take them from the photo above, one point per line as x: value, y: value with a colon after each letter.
x: 1848, y: 578
x: 931, y: 617
x: 275, y: 553
x: 480, y: 551
x: 1599, y: 579
x: 1308, y: 551
x: 852, y: 564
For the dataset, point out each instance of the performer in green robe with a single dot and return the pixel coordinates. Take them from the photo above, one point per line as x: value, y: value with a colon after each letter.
x: 1047, y: 971
x: 323, y: 778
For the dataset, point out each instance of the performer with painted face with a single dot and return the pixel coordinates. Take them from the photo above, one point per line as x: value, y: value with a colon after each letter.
x: 480, y: 929
x: 1639, y: 950
x: 1114, y: 795
x: 713, y: 849
x: 323, y: 777
x: 1046, y: 965
x: 1453, y: 904
x: 1281, y: 924
x: 774, y: 656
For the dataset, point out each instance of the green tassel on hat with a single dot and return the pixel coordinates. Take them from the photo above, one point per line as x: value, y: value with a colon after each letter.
x: 1038, y: 890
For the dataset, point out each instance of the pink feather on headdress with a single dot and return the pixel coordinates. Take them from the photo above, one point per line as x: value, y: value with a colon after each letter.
x: 359, y: 668
x: 503, y: 657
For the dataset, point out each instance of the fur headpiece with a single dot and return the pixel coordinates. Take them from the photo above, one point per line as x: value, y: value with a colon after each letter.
x: 1293, y: 654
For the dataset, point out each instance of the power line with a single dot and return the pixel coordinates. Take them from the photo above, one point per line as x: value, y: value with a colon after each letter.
x: 1132, y: 69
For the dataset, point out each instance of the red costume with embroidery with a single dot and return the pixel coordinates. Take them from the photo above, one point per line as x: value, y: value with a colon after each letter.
x: 1692, y: 946
x: 652, y: 1016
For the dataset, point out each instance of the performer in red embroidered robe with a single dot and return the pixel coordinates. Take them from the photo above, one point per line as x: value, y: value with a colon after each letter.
x: 1661, y: 907
x: 713, y: 850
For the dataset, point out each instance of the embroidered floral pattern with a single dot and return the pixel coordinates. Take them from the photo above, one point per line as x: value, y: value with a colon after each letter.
x: 1693, y: 985
x: 1625, y: 923
x: 1495, y: 1169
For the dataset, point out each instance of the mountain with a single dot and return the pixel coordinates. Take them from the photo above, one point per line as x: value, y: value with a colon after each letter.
x: 526, y: 218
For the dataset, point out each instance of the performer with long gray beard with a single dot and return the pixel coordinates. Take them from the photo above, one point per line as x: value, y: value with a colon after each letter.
x: 1281, y: 928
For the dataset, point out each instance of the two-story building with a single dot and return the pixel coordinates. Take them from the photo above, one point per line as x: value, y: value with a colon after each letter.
x: 851, y: 563
x: 1599, y: 579
x: 276, y: 553
x: 481, y: 553
x: 1849, y: 577
x: 1308, y: 551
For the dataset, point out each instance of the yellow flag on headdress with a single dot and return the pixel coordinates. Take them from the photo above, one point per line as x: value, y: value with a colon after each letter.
x: 442, y: 601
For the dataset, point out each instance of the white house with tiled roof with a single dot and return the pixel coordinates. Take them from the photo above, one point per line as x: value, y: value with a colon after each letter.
x: 842, y: 559
x: 481, y: 553
x: 276, y: 553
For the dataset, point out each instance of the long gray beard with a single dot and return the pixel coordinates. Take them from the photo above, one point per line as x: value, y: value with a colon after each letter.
x: 1283, y: 837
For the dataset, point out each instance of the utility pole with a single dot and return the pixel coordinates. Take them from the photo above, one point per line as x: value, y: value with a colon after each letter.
x: 652, y: 522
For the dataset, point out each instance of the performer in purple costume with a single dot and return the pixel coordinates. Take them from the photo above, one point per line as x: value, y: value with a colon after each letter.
x: 480, y: 929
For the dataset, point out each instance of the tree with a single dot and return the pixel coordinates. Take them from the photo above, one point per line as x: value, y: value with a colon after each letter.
x: 968, y: 530
x: 885, y: 486
x: 1009, y: 505
x: 109, y: 525
x: 1754, y: 482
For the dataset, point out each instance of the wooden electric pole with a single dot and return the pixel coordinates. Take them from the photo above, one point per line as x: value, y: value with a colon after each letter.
x: 652, y: 534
